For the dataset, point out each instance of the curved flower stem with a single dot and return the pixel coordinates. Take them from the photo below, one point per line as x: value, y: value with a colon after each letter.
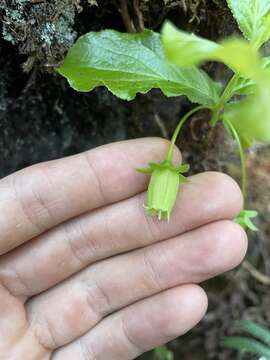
x: 179, y: 127
x: 242, y: 158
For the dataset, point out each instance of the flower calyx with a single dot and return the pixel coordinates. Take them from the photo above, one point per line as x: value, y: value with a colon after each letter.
x: 163, y: 187
x: 244, y: 219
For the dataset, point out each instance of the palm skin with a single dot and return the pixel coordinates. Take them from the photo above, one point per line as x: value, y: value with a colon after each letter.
x: 85, y: 275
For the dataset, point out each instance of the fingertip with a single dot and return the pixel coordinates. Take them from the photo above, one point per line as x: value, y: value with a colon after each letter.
x: 230, y: 189
x: 227, y: 195
x: 194, y: 301
x: 198, y: 293
x: 234, y: 189
x: 184, y: 306
x: 239, y: 243
x: 229, y: 247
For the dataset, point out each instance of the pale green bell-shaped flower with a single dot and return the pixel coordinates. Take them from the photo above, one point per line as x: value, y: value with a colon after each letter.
x: 163, y: 187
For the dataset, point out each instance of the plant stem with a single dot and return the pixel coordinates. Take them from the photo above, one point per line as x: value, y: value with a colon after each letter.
x: 179, y: 127
x: 226, y: 96
x: 242, y: 158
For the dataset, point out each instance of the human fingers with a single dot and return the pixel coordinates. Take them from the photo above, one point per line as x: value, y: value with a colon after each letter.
x: 41, y: 196
x: 65, y: 312
x: 140, y: 327
x: 117, y: 228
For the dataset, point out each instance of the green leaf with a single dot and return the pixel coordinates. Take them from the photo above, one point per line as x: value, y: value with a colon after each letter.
x: 251, y: 117
x: 148, y: 170
x: 247, y: 345
x: 128, y: 64
x: 185, y: 49
x: 244, y: 219
x: 258, y: 331
x: 253, y: 18
x: 183, y: 168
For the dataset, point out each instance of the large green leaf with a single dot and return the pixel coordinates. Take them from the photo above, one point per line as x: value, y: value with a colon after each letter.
x: 130, y: 63
x: 253, y: 17
x: 251, y: 117
x: 185, y: 49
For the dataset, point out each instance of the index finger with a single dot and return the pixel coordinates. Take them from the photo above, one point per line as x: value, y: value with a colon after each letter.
x: 42, y: 196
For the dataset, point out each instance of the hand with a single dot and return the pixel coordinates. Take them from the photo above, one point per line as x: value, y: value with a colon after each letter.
x: 85, y: 275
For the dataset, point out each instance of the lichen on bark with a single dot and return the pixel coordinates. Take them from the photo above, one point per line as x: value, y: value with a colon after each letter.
x: 43, y: 31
